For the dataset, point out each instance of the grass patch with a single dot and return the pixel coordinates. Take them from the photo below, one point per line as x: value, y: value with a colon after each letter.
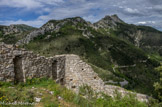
x: 42, y: 88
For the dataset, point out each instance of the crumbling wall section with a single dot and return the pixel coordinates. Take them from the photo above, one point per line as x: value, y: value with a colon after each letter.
x: 68, y: 70
x: 59, y: 62
x: 79, y: 73
x: 32, y: 65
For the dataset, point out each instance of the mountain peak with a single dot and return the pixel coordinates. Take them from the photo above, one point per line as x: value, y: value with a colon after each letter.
x: 114, y: 18
x: 108, y: 21
x: 77, y: 18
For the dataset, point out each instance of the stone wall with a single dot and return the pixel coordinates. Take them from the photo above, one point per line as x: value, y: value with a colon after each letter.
x: 79, y: 73
x: 15, y: 63
x: 68, y: 70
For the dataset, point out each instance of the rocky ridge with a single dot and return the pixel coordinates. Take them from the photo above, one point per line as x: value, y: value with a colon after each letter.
x: 108, y: 22
x: 13, y: 29
x: 55, y: 26
x: 140, y: 36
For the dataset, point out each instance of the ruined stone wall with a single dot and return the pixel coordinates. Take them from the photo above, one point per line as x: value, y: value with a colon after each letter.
x: 59, y: 71
x: 68, y: 70
x: 25, y: 64
x: 79, y: 73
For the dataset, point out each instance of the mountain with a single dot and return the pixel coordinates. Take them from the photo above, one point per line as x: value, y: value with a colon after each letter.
x: 108, y: 22
x: 122, y: 54
x: 56, y: 25
x: 144, y: 37
x: 13, y: 33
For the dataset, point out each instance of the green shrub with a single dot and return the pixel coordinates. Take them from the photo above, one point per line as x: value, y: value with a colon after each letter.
x: 1, y: 35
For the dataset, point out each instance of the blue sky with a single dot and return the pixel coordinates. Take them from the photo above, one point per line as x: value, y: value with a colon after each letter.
x: 38, y: 12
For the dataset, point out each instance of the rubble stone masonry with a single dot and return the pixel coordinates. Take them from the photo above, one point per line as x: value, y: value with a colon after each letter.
x: 68, y: 70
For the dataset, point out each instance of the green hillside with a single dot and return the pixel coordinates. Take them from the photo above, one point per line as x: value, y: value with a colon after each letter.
x: 111, y: 57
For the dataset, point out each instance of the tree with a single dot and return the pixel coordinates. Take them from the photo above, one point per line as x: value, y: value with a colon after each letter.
x: 158, y: 85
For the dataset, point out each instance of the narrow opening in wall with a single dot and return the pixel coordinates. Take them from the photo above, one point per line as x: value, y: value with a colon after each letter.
x: 18, y: 69
x: 73, y: 86
x: 54, y: 70
x: 71, y: 79
x: 62, y: 81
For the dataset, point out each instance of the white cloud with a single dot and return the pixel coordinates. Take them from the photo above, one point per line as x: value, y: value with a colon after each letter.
x: 29, y: 4
x: 156, y: 24
x: 130, y: 10
x: 158, y: 7
x: 153, y: 22
x: 142, y: 23
x: 34, y: 23
x: 50, y: 2
x: 91, y: 18
x: 21, y: 3
x: 71, y: 11
x: 146, y: 22
x: 136, y: 12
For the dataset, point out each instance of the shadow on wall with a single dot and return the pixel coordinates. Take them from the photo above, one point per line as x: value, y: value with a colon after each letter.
x: 55, y: 73
x: 19, y: 75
